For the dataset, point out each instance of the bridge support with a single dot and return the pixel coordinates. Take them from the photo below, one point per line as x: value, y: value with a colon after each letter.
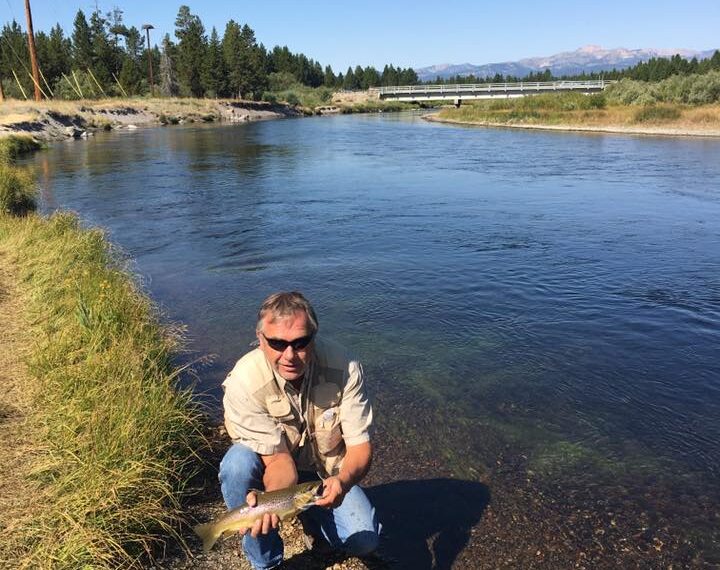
x: 457, y: 103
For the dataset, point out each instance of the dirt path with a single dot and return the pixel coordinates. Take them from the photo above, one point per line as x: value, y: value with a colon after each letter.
x: 15, y: 401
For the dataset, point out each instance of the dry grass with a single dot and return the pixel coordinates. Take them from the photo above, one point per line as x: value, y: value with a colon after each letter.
x: 678, y: 120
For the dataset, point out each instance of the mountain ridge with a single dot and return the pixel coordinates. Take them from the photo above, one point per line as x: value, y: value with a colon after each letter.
x: 588, y: 58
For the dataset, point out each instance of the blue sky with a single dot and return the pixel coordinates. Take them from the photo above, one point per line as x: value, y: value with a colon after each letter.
x: 371, y: 32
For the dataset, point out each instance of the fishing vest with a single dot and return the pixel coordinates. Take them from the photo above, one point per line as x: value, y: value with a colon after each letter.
x: 314, y: 434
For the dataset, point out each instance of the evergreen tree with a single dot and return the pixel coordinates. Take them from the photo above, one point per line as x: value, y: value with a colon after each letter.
x: 371, y: 77
x: 245, y: 61
x: 54, y: 55
x: 191, y: 48
x: 214, y: 71
x: 350, y: 82
x: 168, y: 76
x: 14, y: 56
x: 329, y: 79
x: 82, y: 49
x: 104, y: 58
x: 131, y: 74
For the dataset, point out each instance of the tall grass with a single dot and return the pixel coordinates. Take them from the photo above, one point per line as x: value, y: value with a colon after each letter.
x: 546, y: 108
x: 17, y: 187
x: 116, y: 441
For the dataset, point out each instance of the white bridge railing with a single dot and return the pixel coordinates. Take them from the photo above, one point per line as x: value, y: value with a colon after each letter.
x: 480, y: 89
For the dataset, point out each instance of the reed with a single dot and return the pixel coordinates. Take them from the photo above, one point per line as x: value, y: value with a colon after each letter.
x: 114, y: 441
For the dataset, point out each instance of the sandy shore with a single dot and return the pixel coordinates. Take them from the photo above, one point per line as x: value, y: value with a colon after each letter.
x: 660, y: 130
x: 57, y: 120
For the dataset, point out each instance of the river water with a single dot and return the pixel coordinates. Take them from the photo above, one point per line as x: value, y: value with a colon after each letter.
x: 556, y: 294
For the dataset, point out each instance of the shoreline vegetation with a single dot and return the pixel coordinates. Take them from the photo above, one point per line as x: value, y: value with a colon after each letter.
x: 101, y: 442
x: 677, y: 106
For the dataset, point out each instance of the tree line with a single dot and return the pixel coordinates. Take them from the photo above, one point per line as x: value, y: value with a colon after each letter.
x: 104, y: 57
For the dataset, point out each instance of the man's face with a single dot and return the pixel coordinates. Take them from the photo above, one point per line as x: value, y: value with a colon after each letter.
x: 290, y: 363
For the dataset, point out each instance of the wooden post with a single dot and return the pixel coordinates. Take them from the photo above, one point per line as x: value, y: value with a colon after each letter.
x: 33, y: 52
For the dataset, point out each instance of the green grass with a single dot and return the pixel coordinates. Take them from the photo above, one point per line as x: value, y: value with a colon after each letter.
x: 545, y: 109
x: 115, y: 440
x: 13, y: 146
x: 17, y: 187
x: 378, y: 107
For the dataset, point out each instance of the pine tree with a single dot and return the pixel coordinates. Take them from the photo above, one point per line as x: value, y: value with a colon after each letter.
x: 105, y: 61
x: 350, y: 82
x: 168, y: 77
x: 14, y: 56
x: 131, y: 74
x: 191, y: 48
x: 82, y: 49
x: 214, y: 71
x: 329, y: 79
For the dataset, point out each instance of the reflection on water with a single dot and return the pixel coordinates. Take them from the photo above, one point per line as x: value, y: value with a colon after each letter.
x: 557, y: 292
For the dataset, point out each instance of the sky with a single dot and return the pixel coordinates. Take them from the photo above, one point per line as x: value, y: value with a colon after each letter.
x: 405, y: 34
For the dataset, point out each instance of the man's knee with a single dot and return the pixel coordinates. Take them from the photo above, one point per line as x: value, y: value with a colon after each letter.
x: 362, y: 543
x: 240, y: 463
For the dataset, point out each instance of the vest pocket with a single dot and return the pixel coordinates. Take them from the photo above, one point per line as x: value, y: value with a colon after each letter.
x: 328, y: 434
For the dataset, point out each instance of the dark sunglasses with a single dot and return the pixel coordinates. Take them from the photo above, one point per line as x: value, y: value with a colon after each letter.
x: 281, y: 345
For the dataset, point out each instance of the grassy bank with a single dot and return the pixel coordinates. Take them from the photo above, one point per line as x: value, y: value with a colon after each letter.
x: 109, y: 442
x: 592, y: 112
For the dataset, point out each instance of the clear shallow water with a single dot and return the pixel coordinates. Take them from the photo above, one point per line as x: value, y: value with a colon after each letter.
x: 556, y: 289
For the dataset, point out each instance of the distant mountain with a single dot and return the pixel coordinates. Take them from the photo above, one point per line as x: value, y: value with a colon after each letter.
x: 588, y: 59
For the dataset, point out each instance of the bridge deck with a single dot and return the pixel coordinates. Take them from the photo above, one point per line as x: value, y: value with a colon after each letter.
x: 487, y: 90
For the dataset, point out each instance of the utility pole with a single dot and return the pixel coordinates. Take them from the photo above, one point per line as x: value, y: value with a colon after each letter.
x: 147, y: 28
x: 33, y: 53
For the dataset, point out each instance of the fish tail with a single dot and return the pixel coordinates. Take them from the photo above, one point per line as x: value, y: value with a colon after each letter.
x: 208, y: 534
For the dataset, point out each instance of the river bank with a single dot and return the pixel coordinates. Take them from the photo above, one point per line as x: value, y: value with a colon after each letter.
x: 57, y: 120
x: 431, y: 515
x: 673, y: 121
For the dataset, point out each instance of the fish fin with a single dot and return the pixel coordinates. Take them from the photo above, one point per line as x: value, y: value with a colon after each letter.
x: 208, y: 534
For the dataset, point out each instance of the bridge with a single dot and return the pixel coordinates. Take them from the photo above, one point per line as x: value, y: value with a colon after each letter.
x: 460, y: 92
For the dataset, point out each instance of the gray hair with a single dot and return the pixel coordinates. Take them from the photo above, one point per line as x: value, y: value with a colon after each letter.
x: 286, y: 304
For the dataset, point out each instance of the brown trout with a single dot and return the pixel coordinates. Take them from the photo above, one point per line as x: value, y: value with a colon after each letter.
x: 285, y: 503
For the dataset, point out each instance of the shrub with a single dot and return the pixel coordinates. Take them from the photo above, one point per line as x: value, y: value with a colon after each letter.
x: 269, y: 97
x: 291, y: 98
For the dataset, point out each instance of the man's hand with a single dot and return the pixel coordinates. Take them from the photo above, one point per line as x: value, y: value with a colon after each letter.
x: 333, y: 493
x: 263, y: 525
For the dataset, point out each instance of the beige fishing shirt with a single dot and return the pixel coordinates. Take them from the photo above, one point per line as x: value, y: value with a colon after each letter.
x: 315, y: 424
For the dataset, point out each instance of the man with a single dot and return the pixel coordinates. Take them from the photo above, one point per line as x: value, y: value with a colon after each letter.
x: 295, y: 408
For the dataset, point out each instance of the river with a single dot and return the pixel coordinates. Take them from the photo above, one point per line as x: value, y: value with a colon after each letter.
x: 548, y: 296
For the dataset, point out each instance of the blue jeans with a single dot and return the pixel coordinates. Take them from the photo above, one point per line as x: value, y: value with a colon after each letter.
x: 352, y: 527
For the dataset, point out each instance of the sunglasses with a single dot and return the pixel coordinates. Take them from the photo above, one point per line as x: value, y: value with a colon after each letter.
x: 281, y: 345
